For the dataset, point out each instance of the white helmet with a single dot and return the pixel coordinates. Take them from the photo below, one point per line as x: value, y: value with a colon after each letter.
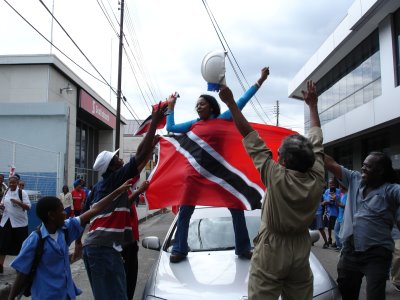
x: 213, y: 69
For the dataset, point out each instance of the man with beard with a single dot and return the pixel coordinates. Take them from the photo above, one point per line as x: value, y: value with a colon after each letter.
x: 372, y: 209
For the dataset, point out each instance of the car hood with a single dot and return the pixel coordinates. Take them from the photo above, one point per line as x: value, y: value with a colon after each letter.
x: 216, y: 275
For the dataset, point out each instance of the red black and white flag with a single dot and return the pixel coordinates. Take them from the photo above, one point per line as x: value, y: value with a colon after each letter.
x: 144, y: 127
x: 209, y: 166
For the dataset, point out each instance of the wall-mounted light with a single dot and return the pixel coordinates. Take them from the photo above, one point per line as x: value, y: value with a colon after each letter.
x: 68, y: 89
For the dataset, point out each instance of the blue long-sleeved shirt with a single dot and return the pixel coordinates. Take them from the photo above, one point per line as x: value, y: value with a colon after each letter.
x: 185, y: 127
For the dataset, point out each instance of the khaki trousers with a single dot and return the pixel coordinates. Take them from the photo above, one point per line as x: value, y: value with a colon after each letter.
x: 280, y: 266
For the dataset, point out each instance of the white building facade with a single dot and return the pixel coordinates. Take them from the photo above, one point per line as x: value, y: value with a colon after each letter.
x: 56, y: 122
x: 357, y: 72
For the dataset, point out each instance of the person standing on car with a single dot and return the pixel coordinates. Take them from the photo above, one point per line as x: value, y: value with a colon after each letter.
x: 14, y: 223
x: 372, y: 209
x: 280, y: 263
x: 207, y: 107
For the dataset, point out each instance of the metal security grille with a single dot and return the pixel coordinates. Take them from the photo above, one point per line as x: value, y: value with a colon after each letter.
x: 40, y: 169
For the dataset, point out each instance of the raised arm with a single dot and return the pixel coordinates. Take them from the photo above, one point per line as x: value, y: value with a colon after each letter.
x: 311, y: 99
x: 245, y: 98
x: 332, y: 166
x: 146, y: 146
x: 241, y: 123
x: 103, y: 203
x: 143, y: 187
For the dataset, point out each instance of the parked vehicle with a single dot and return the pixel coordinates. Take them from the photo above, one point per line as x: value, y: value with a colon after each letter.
x: 212, y: 270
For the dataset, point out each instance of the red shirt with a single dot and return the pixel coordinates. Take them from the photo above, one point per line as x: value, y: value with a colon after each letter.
x: 78, y: 197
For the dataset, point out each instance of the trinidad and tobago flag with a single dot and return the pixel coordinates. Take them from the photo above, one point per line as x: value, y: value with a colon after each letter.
x: 209, y: 166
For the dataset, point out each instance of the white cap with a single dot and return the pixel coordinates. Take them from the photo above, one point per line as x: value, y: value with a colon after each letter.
x: 103, y: 161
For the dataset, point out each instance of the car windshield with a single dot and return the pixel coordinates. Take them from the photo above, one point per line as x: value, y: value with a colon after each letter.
x: 216, y: 233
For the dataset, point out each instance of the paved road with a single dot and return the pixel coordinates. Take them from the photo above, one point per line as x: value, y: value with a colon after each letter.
x: 158, y: 226
x: 329, y: 259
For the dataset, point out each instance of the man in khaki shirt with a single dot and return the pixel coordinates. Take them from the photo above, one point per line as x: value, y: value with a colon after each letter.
x: 280, y: 263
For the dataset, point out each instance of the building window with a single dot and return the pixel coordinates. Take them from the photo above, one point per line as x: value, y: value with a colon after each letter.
x: 354, y: 81
x: 344, y: 155
x: 379, y: 142
x: 396, y: 22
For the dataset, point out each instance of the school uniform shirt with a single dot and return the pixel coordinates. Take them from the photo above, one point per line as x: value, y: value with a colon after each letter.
x: 53, y: 279
x: 13, y: 212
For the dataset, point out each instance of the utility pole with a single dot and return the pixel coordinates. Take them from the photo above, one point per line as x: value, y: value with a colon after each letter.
x: 118, y: 118
x: 276, y: 111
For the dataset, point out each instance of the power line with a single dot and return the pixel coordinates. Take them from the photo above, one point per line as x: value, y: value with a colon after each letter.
x: 218, y: 32
x: 103, y: 9
x: 51, y: 43
x: 76, y: 45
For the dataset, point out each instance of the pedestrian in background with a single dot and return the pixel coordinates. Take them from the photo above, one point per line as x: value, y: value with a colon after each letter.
x: 331, y: 195
x: 341, y: 204
x: 67, y: 200
x: 21, y: 184
x: 3, y: 186
x: 53, y: 278
x: 372, y: 209
x: 78, y: 196
x: 82, y: 183
x: 319, y: 220
x: 280, y: 264
x: 14, y: 223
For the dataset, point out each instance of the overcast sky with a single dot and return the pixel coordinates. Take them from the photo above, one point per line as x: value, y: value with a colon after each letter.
x: 167, y: 40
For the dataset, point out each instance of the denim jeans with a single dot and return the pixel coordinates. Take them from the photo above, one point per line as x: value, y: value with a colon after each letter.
x: 106, y: 273
x: 337, y: 238
x: 242, y: 241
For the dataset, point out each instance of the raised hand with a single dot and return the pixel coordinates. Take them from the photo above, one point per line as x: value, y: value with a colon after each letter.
x: 310, y: 96
x: 226, y: 95
x: 159, y: 113
x: 172, y: 100
x: 143, y: 186
x: 264, y: 75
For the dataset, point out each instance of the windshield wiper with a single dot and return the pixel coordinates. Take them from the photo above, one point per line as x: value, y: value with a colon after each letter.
x: 214, y: 249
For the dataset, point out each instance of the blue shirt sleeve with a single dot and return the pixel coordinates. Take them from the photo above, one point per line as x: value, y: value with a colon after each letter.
x: 23, y: 262
x: 177, y: 128
x: 241, y: 103
x: 74, y: 229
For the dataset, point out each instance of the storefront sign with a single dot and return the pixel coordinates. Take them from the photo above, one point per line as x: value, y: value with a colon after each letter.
x: 96, y: 109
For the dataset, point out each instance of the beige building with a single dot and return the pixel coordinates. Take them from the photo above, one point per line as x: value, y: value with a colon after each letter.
x: 52, y: 123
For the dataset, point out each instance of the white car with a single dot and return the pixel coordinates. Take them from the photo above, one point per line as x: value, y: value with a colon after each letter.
x: 212, y: 271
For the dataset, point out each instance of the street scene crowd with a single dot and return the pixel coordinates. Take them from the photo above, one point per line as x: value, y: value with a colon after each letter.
x: 356, y: 212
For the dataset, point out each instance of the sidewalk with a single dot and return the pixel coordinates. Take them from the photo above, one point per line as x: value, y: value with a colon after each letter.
x: 8, y: 277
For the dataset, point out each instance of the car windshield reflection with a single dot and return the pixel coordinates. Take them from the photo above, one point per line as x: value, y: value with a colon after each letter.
x: 216, y: 233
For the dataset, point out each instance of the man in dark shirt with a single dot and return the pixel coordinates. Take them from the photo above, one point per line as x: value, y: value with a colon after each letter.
x: 110, y: 231
x: 372, y: 208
